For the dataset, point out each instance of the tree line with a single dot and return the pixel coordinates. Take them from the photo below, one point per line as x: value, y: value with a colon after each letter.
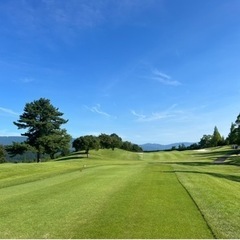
x: 42, y: 122
x: 216, y: 139
x: 44, y: 135
x: 88, y: 142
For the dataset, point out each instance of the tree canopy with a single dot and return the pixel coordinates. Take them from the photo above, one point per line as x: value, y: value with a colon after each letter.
x: 17, y: 148
x: 112, y: 141
x: 232, y: 136
x: 86, y: 143
x: 216, y: 138
x: 43, y: 121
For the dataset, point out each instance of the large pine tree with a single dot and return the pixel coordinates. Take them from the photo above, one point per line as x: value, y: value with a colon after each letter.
x: 43, y: 121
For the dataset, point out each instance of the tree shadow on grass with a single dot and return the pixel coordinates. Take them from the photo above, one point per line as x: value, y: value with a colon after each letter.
x: 235, y: 162
x: 218, y: 175
x: 77, y: 157
x: 213, y: 155
x: 197, y: 164
x: 77, y: 153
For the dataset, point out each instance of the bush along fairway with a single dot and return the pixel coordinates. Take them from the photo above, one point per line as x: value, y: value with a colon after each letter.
x: 118, y: 194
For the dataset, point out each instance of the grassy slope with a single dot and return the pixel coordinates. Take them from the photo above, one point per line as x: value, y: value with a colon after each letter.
x: 216, y: 190
x: 120, y: 195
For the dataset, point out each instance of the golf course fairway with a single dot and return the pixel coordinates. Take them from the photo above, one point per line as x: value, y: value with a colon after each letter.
x: 118, y: 194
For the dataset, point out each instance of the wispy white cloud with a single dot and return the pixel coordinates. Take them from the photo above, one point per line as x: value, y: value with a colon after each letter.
x: 152, y: 117
x: 164, y: 78
x: 53, y: 16
x: 156, y: 116
x: 97, y: 109
x: 139, y: 116
x: 8, y: 111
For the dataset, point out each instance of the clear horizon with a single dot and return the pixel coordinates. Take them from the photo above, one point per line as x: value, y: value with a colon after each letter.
x: 155, y: 71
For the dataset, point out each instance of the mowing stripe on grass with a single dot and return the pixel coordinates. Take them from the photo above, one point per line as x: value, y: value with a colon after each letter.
x: 152, y: 205
x: 48, y: 208
x: 218, y: 198
x: 121, y: 195
x: 209, y: 227
x: 112, y: 201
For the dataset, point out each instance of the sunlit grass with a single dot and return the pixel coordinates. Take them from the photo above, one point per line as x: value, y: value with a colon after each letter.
x: 118, y: 194
x: 216, y: 190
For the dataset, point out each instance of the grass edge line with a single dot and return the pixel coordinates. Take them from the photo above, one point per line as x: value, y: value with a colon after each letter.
x: 189, y: 194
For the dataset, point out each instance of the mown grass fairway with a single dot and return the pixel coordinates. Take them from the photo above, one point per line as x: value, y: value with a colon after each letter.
x: 117, y: 194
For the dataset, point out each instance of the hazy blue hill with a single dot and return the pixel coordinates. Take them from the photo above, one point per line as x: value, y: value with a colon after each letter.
x: 158, y: 147
x: 9, y: 140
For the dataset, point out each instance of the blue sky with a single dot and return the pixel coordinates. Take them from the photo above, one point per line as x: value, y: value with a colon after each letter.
x: 159, y: 71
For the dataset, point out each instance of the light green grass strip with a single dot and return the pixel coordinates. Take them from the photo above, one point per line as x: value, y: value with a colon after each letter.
x: 216, y: 190
x: 118, y: 200
x: 48, y: 208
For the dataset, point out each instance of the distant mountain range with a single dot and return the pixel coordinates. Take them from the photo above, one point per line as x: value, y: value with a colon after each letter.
x: 158, y: 147
x: 9, y: 140
x: 146, y: 147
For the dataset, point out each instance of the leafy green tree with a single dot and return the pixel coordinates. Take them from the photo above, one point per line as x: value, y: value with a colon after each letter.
x: 2, y: 154
x: 232, y: 136
x: 57, y: 142
x: 126, y: 145
x: 216, y: 139
x: 86, y: 143
x: 194, y: 146
x: 136, y: 148
x: 42, y: 121
x: 105, y: 141
x: 182, y: 147
x: 205, y: 141
x: 116, y: 141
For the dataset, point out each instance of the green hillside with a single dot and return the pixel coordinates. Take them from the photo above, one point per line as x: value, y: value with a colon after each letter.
x: 119, y: 194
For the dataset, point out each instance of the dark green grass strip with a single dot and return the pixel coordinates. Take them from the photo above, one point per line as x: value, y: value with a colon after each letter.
x: 152, y: 205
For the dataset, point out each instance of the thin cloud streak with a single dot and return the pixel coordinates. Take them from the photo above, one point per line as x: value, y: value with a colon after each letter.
x: 97, y: 109
x: 160, y: 74
x: 153, y: 117
x: 156, y: 116
x: 8, y: 111
x: 164, y: 78
x: 140, y: 116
